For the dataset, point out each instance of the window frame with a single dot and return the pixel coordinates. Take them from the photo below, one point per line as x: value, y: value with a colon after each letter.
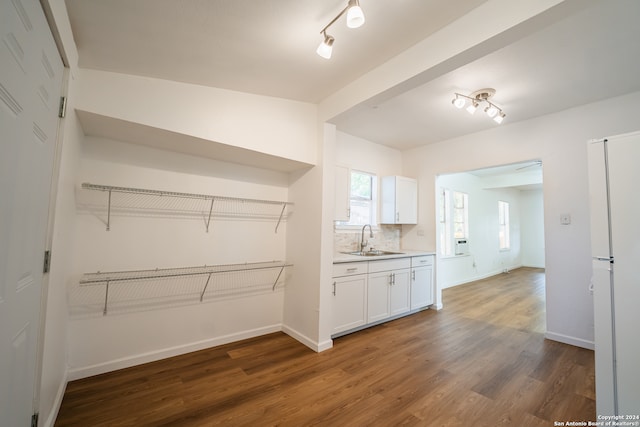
x: 447, y: 220
x: 354, y: 198
x: 504, y: 225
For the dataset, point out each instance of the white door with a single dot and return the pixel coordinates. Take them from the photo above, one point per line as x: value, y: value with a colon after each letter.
x: 31, y: 75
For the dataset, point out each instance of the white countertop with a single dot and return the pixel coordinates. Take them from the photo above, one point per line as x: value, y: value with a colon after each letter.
x: 341, y: 257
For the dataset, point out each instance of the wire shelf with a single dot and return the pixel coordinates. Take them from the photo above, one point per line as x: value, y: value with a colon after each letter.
x: 142, y: 289
x: 110, y: 200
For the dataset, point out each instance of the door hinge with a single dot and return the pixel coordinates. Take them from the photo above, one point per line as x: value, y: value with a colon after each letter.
x: 47, y: 262
x: 62, y: 109
x: 34, y: 420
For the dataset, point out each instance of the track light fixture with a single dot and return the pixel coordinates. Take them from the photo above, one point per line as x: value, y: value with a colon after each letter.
x: 326, y: 47
x: 355, y: 19
x: 475, y: 99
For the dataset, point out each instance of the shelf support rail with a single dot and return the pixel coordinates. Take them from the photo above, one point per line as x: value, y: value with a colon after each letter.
x: 213, y: 199
x: 284, y: 206
x: 205, y: 287
x: 109, y: 213
x: 278, y: 278
x: 106, y: 299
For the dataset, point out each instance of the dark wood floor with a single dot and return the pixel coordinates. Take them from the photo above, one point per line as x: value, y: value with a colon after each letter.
x: 481, y: 361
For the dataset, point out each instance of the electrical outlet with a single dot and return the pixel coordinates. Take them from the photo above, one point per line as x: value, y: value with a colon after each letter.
x: 565, y: 219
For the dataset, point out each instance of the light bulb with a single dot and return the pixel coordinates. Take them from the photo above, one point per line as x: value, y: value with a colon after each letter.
x: 355, y: 16
x: 472, y: 107
x: 499, y: 118
x: 326, y: 47
x: 491, y: 110
x: 459, y: 102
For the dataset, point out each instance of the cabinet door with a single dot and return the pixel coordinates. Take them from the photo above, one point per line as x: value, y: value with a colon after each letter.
x: 421, y: 287
x: 406, y: 200
x: 378, y: 296
x: 399, y: 292
x: 342, y: 193
x: 349, y: 302
x: 399, y: 202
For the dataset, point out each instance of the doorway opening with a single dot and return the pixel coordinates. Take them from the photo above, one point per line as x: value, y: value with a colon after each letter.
x: 489, y: 221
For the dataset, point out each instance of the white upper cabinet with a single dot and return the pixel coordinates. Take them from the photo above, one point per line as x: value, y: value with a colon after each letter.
x: 342, y: 193
x: 399, y: 200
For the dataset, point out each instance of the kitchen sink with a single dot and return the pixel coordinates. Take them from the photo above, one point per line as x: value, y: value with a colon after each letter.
x: 372, y: 253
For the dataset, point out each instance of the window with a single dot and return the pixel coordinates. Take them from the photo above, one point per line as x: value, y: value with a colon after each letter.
x: 453, y: 218
x: 460, y: 215
x: 503, y: 223
x: 362, y: 203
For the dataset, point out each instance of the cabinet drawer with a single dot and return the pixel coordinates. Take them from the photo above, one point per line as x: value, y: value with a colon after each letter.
x: 419, y: 261
x: 349, y: 268
x: 389, y: 264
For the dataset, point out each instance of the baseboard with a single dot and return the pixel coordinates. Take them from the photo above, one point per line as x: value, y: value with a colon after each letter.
x: 138, y: 359
x: 578, y: 342
x: 57, y: 402
x: 313, y: 345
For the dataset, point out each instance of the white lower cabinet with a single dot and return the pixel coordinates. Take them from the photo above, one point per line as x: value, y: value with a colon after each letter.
x: 368, y: 292
x: 399, y: 293
x: 378, y: 296
x: 421, y: 281
x: 388, y: 289
x: 349, y: 291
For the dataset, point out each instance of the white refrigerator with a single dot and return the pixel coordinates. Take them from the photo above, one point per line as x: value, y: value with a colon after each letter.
x: 614, y: 190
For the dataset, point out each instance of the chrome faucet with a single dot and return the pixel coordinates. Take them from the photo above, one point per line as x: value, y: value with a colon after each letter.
x: 364, y: 243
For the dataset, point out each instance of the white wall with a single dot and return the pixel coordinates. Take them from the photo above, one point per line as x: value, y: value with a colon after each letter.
x: 274, y: 126
x: 101, y: 343
x: 304, y: 309
x: 532, y: 229
x: 365, y: 156
x: 559, y: 140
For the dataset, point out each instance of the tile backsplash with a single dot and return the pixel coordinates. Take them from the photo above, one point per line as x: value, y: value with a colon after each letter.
x: 386, y: 237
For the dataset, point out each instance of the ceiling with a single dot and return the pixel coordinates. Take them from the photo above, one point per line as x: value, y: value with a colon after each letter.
x: 268, y: 47
x: 520, y: 176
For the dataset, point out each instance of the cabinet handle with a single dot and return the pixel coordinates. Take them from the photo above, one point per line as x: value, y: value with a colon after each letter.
x: 334, y: 288
x: 397, y: 216
x: 348, y: 212
x: 352, y: 269
x: 413, y: 275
